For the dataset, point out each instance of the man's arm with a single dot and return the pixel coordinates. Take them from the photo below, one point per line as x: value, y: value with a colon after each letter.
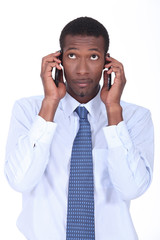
x: 111, y: 98
x: 52, y: 94
x: 131, y: 154
x: 30, y: 136
x: 130, y: 146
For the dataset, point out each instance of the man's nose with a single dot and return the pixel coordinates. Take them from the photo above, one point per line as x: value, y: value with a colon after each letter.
x: 82, y: 67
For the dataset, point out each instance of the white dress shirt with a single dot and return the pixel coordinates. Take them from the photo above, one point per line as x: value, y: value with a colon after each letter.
x: 38, y: 157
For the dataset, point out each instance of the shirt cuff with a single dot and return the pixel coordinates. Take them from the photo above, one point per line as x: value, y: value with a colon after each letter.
x: 42, y: 131
x: 117, y: 135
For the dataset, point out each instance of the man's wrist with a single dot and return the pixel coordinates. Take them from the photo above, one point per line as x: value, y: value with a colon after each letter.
x: 48, y: 109
x: 114, y: 114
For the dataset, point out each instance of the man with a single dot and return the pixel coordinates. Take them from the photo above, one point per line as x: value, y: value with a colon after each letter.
x: 42, y: 132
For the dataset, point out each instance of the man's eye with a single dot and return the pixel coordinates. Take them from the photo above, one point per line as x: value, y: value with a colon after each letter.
x: 72, y: 56
x: 94, y: 57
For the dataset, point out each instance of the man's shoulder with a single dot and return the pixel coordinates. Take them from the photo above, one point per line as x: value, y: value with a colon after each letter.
x: 28, y: 104
x: 134, y: 111
x: 134, y: 107
x: 32, y: 100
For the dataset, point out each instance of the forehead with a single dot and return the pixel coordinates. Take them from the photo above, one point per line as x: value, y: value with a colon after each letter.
x: 85, y: 42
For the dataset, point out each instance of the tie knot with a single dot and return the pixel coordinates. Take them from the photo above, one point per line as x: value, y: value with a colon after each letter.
x: 82, y: 112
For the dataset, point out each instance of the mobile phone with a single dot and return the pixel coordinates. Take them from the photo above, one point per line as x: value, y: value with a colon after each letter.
x: 58, y: 72
x: 109, y: 75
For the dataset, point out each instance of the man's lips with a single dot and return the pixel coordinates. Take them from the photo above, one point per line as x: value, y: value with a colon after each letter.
x: 82, y: 82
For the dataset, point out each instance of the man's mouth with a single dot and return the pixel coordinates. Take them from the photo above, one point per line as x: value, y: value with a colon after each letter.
x: 83, y: 82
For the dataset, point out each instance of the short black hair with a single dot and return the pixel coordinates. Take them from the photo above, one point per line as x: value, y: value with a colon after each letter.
x: 84, y: 26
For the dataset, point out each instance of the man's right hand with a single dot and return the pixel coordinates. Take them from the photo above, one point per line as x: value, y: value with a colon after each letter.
x: 52, y: 93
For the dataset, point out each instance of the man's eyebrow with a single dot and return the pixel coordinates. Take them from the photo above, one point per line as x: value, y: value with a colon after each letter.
x: 94, y: 49
x: 72, y: 48
x: 91, y: 49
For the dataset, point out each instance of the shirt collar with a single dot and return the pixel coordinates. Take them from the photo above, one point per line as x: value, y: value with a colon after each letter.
x: 69, y: 104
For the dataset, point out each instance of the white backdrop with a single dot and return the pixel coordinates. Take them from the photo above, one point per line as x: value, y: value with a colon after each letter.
x: 30, y: 30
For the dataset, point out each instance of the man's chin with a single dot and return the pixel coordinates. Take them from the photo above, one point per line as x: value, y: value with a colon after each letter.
x: 82, y: 94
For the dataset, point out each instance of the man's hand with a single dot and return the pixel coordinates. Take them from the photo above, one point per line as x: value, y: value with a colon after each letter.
x: 52, y: 93
x: 111, y: 98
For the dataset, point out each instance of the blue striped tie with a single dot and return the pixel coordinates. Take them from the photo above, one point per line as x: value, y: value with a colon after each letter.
x: 80, y: 216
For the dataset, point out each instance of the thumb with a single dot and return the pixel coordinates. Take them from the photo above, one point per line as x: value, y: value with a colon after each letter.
x: 61, y: 76
x: 105, y: 80
x: 61, y: 85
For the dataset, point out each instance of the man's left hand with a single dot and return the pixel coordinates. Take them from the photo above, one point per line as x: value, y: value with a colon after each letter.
x: 111, y: 98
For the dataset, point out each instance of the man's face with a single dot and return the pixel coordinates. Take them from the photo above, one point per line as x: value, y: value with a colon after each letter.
x: 83, y: 62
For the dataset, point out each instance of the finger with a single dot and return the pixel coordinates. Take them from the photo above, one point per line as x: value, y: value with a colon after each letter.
x: 114, y: 64
x: 50, y: 60
x: 105, y: 75
x: 119, y: 75
x: 111, y: 59
x: 53, y: 57
x: 117, y: 71
x: 49, y: 67
x: 115, y: 68
x: 56, y: 54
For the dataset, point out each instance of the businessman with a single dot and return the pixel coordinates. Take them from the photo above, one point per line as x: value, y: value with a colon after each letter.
x: 79, y: 154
